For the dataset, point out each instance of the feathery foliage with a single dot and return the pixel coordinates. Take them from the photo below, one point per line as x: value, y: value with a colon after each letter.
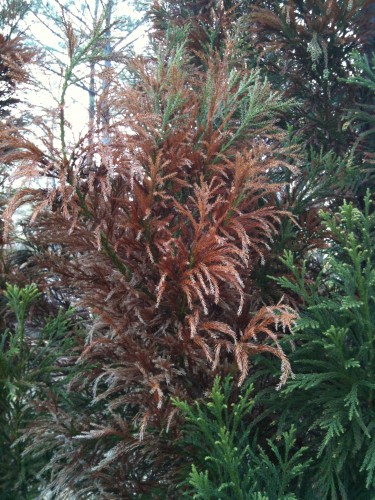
x: 363, y: 115
x: 159, y: 242
x: 16, y: 476
x: 12, y: 60
x: 303, y: 47
x: 31, y: 361
x: 226, y: 461
x: 331, y: 395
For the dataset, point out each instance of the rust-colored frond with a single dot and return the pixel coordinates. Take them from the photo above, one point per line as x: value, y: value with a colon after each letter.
x: 157, y: 224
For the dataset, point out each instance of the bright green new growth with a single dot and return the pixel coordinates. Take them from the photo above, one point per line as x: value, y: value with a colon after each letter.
x: 19, y: 301
x: 227, y: 462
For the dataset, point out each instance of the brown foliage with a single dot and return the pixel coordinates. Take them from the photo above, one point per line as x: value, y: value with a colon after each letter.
x: 14, y: 57
x: 160, y: 241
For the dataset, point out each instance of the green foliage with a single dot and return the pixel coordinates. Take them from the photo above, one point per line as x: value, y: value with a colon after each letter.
x: 28, y: 368
x: 228, y: 95
x: 362, y: 117
x: 332, y: 395
x: 227, y: 463
x: 15, y: 473
x: 364, y: 76
x: 19, y: 300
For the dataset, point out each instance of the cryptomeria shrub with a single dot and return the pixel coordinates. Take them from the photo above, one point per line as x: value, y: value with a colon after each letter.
x: 160, y: 241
